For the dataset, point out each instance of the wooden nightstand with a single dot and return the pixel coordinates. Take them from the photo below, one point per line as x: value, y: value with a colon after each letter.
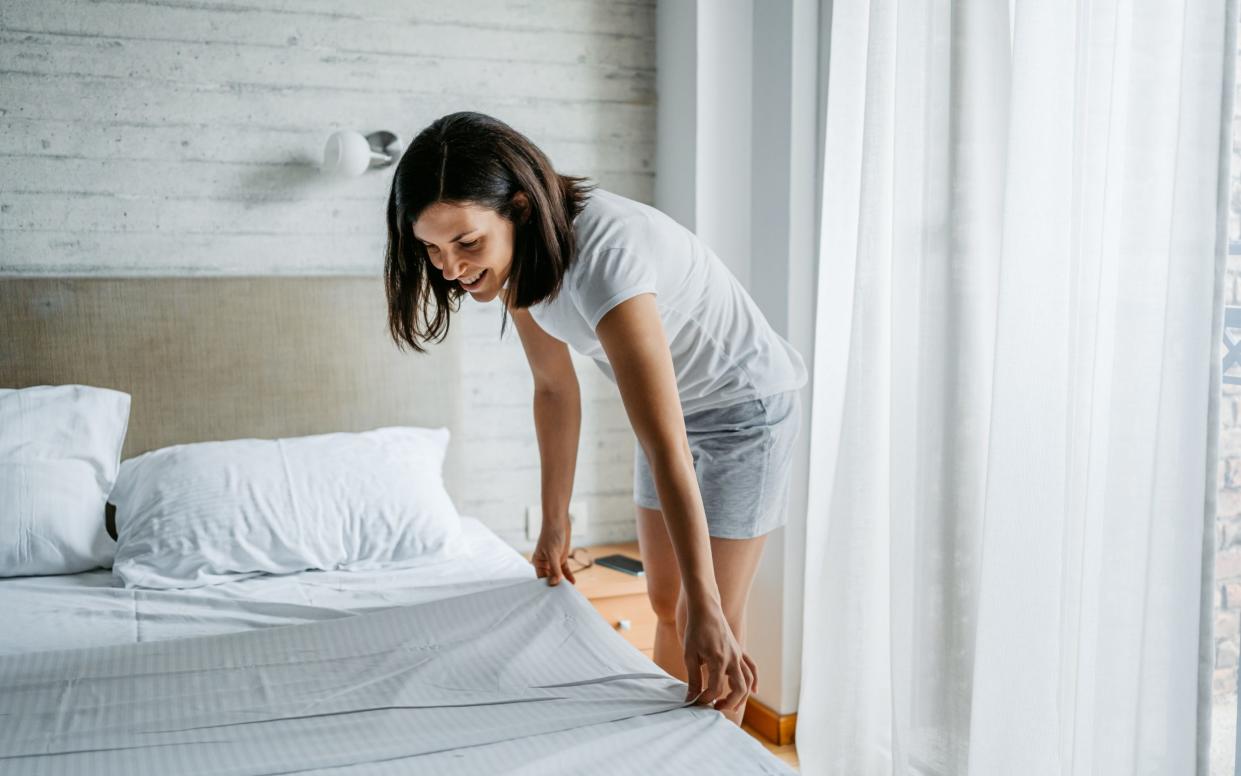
x: 621, y: 598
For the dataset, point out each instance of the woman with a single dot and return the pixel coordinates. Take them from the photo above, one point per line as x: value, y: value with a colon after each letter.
x: 709, y: 388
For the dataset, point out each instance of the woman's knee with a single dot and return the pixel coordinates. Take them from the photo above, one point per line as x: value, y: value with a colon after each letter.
x: 664, y: 602
x: 663, y: 577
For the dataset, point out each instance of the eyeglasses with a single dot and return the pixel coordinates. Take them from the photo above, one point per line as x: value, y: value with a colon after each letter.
x: 585, y: 560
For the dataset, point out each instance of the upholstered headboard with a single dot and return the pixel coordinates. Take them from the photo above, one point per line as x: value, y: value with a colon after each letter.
x: 222, y: 358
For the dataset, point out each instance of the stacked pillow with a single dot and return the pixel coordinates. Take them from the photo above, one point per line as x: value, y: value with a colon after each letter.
x: 206, y: 513
x: 59, y: 451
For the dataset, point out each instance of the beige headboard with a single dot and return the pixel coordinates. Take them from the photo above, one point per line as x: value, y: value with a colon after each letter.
x: 223, y: 358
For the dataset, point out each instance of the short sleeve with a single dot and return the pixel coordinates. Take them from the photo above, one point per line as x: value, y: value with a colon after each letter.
x: 609, y: 277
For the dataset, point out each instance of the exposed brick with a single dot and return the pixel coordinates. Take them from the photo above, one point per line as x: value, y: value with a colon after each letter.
x: 1230, y: 281
x: 1229, y: 534
x: 1226, y: 626
x: 1232, y: 477
x: 1228, y: 502
x: 1224, y: 682
x: 1226, y: 654
x: 1231, y: 595
x: 1227, y: 593
x: 1228, y: 564
x: 1230, y: 442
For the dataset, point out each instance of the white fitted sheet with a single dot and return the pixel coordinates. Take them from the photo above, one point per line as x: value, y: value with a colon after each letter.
x: 468, y: 666
x: 92, y: 609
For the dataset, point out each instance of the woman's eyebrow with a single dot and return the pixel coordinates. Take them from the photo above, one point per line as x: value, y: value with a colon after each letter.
x: 458, y: 237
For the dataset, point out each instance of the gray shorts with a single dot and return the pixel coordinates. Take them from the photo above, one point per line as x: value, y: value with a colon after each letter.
x: 743, y: 454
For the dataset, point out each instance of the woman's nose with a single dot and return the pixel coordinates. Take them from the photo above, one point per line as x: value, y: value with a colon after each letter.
x: 451, y: 268
x: 445, y: 264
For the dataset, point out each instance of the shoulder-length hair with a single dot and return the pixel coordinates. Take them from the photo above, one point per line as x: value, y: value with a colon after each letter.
x: 471, y: 158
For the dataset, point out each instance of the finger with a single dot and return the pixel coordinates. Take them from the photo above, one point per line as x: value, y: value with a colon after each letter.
x: 737, y: 686
x: 693, y: 668
x: 747, y: 676
x: 715, y: 682
x: 548, y: 569
x: 568, y: 573
x: 753, y: 672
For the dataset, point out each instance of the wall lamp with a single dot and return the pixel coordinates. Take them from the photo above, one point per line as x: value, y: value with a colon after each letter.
x: 349, y: 153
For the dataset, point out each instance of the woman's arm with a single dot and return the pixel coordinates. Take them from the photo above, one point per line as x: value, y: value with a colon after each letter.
x: 633, y: 337
x: 557, y: 424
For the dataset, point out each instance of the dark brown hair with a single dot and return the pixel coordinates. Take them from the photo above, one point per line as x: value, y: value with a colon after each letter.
x: 471, y: 158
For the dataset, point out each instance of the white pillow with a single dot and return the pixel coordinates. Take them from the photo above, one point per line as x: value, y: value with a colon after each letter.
x: 59, y: 451
x: 211, y: 512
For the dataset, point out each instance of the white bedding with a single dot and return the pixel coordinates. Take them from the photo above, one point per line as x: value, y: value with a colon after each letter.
x: 429, y: 677
x: 91, y: 609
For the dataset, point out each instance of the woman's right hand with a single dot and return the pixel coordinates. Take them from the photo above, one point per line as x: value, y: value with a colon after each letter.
x: 712, y: 649
x: 551, y: 553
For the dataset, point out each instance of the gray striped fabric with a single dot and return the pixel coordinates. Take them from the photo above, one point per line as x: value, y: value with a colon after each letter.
x: 517, y: 679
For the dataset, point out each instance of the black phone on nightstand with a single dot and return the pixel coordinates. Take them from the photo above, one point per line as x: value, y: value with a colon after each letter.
x: 622, y: 563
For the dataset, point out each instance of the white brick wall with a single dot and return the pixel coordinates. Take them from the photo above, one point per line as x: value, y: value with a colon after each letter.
x: 179, y: 137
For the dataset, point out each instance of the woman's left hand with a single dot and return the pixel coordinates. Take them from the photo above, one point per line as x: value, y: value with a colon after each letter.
x: 711, y: 649
x: 551, y: 555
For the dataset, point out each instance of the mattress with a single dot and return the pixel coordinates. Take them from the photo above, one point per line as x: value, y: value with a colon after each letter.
x: 91, y: 609
x: 467, y: 666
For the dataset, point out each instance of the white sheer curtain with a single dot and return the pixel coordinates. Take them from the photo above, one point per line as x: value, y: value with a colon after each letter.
x: 1021, y: 254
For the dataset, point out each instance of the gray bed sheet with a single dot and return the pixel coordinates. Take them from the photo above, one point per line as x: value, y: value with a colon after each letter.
x: 519, y: 678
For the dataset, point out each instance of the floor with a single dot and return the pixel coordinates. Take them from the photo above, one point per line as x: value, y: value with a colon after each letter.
x: 1223, y: 733
x: 787, y: 753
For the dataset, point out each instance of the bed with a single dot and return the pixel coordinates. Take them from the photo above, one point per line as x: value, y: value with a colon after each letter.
x: 464, y: 665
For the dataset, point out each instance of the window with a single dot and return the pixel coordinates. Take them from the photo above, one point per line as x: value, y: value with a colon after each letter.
x: 1228, y: 518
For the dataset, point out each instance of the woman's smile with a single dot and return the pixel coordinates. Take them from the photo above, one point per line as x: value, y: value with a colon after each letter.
x: 467, y: 244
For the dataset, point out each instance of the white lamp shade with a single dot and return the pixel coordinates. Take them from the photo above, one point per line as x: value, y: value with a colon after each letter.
x: 346, y: 153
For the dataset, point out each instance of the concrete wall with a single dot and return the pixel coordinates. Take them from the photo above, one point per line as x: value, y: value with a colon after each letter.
x: 175, y: 137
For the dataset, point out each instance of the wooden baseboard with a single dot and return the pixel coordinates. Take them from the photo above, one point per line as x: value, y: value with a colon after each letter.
x: 779, y: 729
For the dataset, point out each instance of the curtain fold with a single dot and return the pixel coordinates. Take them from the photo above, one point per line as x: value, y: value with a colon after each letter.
x: 1011, y: 429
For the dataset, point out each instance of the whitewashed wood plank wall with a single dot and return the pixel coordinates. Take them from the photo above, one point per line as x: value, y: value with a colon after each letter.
x: 180, y: 137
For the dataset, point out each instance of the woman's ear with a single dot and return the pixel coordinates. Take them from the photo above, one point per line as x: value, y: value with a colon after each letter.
x: 521, y: 207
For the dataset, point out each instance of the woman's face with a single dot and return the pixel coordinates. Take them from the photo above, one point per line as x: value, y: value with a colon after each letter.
x: 469, y: 244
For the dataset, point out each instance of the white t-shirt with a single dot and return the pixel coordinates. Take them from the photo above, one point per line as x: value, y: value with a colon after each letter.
x: 723, y: 350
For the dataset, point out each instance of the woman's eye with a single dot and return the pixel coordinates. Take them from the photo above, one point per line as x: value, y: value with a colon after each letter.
x: 470, y: 244
x: 432, y: 249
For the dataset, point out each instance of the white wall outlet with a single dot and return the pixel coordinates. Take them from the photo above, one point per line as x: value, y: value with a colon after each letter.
x: 579, y: 519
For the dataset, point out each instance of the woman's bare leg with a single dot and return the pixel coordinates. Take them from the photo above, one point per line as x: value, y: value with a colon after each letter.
x: 663, y: 587
x: 735, y: 562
